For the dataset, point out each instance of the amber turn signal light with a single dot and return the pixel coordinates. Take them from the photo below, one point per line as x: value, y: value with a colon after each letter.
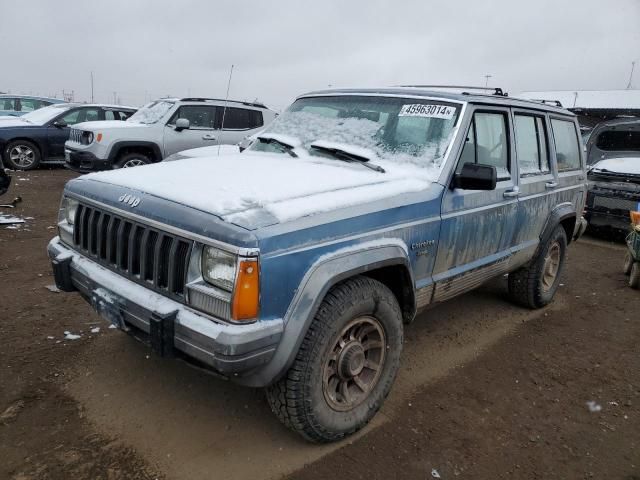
x: 246, y: 295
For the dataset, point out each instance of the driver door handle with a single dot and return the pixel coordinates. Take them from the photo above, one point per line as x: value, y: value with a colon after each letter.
x: 551, y: 185
x: 514, y: 192
x: 208, y: 136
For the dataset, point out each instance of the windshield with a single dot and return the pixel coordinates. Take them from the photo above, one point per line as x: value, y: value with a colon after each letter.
x: 152, y: 112
x: 398, y: 130
x: 43, y: 115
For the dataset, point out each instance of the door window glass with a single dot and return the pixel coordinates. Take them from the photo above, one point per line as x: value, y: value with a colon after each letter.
x: 7, y: 103
x: 565, y: 137
x: 29, y: 105
x: 531, y: 144
x: 91, y: 115
x: 198, y: 116
x: 240, y: 118
x: 71, y: 117
x: 489, y: 145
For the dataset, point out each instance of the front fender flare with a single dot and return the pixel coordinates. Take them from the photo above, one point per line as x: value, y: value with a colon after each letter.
x: 118, y: 146
x: 318, y: 280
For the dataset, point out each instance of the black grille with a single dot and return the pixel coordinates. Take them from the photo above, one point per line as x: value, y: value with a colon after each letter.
x: 141, y: 253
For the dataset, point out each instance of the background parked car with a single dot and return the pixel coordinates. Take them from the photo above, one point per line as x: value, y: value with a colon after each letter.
x: 613, y: 153
x: 39, y: 136
x: 17, y: 105
x: 162, y: 128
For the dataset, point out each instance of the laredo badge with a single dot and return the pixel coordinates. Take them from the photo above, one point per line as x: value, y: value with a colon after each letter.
x: 428, y: 111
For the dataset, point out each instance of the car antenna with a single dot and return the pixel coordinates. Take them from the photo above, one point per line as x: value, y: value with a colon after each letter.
x: 224, y: 109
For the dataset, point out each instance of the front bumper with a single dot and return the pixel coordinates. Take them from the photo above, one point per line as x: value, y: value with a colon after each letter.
x: 169, y: 327
x: 84, y: 162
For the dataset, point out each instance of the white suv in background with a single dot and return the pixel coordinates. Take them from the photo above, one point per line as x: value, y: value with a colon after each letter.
x: 160, y: 129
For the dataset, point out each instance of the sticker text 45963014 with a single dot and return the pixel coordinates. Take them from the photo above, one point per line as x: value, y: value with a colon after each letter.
x: 429, y: 111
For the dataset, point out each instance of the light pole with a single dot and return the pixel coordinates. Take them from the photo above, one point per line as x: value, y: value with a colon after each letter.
x: 486, y: 80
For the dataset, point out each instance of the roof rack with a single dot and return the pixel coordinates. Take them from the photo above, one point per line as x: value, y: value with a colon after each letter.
x: 555, y: 103
x: 201, y: 99
x: 496, y: 90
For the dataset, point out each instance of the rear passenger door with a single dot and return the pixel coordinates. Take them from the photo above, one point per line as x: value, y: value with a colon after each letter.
x: 572, y: 187
x: 538, y: 180
x: 201, y: 131
x: 477, y: 226
x: 234, y: 124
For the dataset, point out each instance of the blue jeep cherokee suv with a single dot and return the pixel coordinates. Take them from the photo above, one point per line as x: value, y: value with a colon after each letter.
x: 294, y: 265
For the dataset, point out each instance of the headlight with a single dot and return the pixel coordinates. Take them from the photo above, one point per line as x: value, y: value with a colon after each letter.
x: 219, y: 268
x: 69, y: 206
x: 87, y: 138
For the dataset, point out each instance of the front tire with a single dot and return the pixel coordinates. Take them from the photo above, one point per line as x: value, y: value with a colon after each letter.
x: 22, y: 155
x: 133, y: 159
x: 535, y: 285
x: 346, y: 364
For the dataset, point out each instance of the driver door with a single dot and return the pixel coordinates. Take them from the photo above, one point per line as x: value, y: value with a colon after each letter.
x: 57, y: 136
x: 477, y: 225
x: 201, y: 131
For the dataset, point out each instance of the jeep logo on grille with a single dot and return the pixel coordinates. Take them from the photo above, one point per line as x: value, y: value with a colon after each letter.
x: 130, y: 200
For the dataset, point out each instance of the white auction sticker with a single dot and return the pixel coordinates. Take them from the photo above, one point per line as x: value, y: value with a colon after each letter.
x: 429, y: 111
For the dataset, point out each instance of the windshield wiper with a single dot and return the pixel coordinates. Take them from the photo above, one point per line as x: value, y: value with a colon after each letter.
x: 345, y: 155
x: 282, y: 144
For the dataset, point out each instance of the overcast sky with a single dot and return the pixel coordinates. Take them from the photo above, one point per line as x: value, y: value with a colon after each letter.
x: 144, y: 49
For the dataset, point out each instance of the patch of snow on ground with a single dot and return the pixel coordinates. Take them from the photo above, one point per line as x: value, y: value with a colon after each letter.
x: 71, y: 336
x: 594, y: 407
x: 95, y: 330
x: 53, y: 288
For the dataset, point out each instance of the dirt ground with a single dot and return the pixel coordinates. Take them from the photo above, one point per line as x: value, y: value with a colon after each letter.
x: 486, y: 389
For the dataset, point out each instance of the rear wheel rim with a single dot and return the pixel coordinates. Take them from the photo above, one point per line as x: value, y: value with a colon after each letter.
x: 134, y: 162
x: 551, y: 266
x: 354, y: 364
x: 22, y: 156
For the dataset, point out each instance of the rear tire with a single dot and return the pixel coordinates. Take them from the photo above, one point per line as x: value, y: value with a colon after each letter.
x: 133, y: 159
x: 634, y: 276
x: 22, y: 155
x: 346, y: 364
x: 535, y: 285
x: 628, y: 263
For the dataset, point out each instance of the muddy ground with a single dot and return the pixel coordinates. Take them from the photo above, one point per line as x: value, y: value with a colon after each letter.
x: 486, y: 389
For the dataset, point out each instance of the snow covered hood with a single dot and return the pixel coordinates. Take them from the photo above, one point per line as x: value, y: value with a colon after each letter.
x: 210, y: 151
x: 107, y: 124
x: 256, y: 189
x: 629, y: 165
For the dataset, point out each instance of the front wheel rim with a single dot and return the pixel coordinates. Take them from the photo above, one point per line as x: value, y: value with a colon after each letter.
x: 135, y: 162
x: 22, y: 156
x: 354, y: 364
x: 551, y: 266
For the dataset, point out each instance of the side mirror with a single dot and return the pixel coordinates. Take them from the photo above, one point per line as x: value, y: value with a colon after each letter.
x: 182, y: 124
x: 475, y: 176
x: 60, y: 124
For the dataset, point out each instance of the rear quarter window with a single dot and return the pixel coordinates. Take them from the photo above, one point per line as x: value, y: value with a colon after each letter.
x: 565, y: 137
x: 240, y: 118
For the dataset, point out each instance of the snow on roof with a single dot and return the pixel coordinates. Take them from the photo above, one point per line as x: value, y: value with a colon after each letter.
x: 593, y: 99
